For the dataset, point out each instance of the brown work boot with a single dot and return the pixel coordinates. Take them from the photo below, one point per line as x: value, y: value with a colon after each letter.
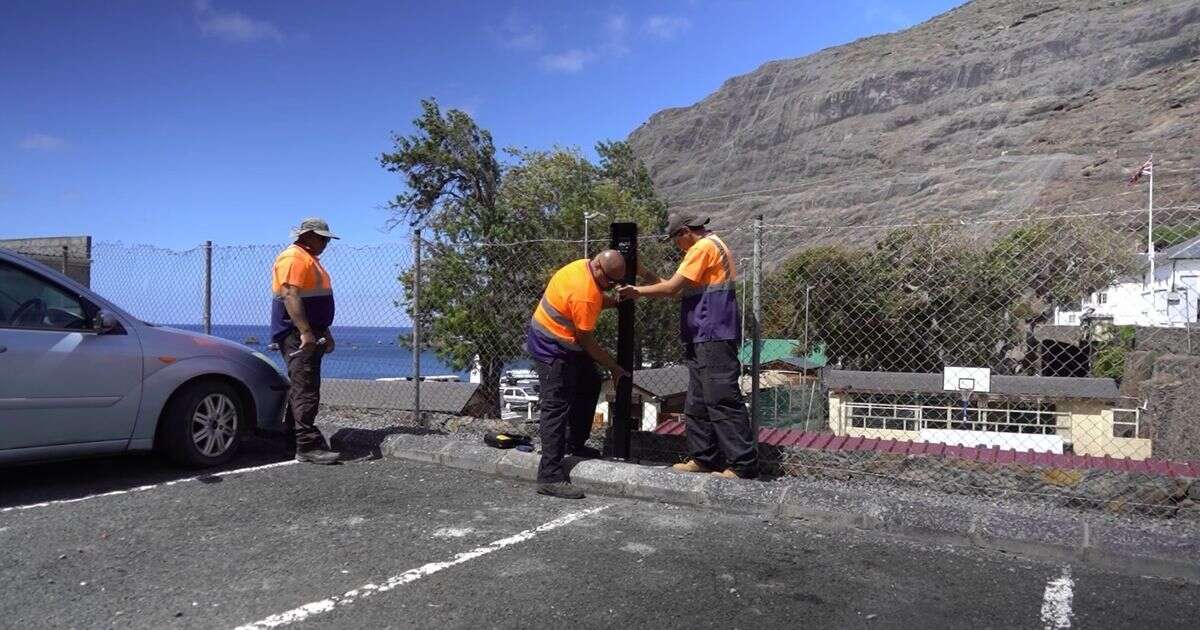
x: 691, y: 466
x: 730, y: 473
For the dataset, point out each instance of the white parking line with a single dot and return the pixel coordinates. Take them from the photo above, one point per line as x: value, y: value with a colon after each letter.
x: 145, y: 488
x: 1056, y: 602
x: 412, y: 575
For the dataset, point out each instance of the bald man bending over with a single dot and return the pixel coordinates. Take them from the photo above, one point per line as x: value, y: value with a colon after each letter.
x: 565, y: 354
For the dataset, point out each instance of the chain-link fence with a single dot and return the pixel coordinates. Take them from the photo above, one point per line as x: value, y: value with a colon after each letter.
x: 1048, y: 341
x: 1052, y: 340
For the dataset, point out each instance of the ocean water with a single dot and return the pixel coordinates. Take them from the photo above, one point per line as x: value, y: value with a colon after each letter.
x: 362, y: 352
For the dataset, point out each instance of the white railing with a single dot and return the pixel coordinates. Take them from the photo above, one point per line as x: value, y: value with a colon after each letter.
x: 895, y: 417
x: 1123, y: 426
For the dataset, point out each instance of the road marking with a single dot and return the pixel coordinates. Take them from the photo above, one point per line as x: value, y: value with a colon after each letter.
x: 453, y: 532
x: 1056, y: 602
x: 148, y: 487
x: 349, y: 597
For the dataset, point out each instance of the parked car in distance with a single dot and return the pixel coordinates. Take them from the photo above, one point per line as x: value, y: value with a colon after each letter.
x: 82, y: 377
x: 515, y: 397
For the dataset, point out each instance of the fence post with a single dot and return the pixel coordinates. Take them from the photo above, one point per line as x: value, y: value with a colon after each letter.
x: 65, y: 258
x: 416, y: 326
x: 208, y: 287
x: 755, y: 324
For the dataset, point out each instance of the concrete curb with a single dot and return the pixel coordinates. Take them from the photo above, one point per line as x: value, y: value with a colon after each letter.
x: 1118, y: 546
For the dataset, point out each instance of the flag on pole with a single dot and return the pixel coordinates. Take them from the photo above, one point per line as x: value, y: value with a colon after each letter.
x: 1145, y: 169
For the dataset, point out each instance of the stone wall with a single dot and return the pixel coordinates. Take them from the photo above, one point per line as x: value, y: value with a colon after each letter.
x: 1108, y: 490
x: 1172, y: 416
x: 1167, y: 340
x: 49, y: 252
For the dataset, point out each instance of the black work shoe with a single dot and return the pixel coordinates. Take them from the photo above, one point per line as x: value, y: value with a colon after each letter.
x: 317, y: 456
x: 560, y: 489
x: 587, y: 452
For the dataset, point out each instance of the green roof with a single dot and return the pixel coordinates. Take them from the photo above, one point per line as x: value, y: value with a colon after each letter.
x: 776, y: 349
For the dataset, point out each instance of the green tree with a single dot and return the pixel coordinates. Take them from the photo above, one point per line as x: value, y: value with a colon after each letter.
x: 452, y: 179
x: 497, y: 231
x: 931, y: 296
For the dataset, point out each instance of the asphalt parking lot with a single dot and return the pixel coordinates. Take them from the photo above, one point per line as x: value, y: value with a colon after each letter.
x: 377, y: 543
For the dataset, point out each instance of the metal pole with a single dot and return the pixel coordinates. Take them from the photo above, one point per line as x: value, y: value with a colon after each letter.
x: 807, y: 352
x: 585, y: 235
x: 208, y: 287
x: 1150, y: 237
x: 65, y: 258
x: 624, y: 240
x: 416, y: 326
x: 756, y: 324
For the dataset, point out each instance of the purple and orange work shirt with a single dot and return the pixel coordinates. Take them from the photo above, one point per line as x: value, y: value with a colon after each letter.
x: 570, y: 306
x: 297, y: 267
x: 709, y: 310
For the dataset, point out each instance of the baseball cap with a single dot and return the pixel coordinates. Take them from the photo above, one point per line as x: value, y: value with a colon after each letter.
x: 680, y: 220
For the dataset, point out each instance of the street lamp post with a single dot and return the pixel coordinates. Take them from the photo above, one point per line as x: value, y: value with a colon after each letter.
x: 588, y: 216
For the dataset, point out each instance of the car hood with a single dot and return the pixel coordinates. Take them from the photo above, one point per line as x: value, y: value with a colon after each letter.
x: 187, y: 344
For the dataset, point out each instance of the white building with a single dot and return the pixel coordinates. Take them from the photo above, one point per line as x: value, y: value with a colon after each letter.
x: 1169, y: 300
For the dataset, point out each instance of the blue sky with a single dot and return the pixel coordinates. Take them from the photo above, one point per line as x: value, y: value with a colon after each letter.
x: 174, y: 121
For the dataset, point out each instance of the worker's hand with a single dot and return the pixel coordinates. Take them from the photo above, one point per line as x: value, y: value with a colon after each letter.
x: 329, y: 344
x: 627, y: 292
x: 618, y: 373
x: 308, y: 341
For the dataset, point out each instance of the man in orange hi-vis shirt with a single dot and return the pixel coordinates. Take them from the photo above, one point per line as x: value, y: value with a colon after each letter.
x: 301, y: 314
x: 560, y: 340
x: 719, y: 436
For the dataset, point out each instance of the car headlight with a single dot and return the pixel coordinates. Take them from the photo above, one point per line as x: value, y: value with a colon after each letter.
x: 266, y: 359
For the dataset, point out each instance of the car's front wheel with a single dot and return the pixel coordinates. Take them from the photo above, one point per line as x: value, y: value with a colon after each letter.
x: 201, y: 424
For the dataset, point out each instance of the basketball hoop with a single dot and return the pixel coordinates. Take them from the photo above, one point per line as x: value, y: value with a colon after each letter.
x: 966, y: 381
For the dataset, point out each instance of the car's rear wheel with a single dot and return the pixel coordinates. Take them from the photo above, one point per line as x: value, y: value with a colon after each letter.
x: 202, y: 423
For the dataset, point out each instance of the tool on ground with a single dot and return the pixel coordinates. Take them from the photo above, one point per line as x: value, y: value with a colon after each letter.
x: 506, y: 440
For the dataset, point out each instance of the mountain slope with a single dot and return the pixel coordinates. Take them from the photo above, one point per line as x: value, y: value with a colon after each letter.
x: 995, y: 109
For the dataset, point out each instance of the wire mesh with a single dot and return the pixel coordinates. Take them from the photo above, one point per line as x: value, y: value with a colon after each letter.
x: 1065, y: 314
x: 1085, y: 339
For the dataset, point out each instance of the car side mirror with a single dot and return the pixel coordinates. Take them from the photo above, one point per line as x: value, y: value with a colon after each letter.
x: 104, y: 322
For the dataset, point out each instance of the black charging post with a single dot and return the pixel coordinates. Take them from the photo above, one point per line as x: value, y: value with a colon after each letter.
x: 624, y: 240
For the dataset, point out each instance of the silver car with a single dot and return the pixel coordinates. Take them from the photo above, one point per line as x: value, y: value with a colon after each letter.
x: 81, y: 377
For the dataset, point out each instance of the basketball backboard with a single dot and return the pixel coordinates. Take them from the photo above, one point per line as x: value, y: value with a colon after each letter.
x: 967, y: 380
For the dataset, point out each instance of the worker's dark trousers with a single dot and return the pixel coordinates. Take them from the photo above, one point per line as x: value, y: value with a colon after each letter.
x: 569, y: 390
x: 304, y: 395
x: 719, y: 434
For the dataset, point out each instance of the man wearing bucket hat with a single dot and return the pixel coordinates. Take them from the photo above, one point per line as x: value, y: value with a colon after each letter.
x: 719, y: 435
x: 302, y: 310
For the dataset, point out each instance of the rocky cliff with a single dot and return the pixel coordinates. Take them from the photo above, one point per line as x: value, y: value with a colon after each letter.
x: 996, y: 109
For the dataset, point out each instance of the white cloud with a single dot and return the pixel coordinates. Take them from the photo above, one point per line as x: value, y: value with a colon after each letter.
x: 568, y: 62
x: 233, y: 26
x: 616, y: 29
x: 518, y: 33
x: 665, y: 26
x: 42, y: 142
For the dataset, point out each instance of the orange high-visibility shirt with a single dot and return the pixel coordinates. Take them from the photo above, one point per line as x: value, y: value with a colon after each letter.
x: 571, y: 305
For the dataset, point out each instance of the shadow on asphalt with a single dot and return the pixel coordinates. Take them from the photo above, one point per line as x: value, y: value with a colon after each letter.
x: 79, y: 478
x: 367, y: 444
